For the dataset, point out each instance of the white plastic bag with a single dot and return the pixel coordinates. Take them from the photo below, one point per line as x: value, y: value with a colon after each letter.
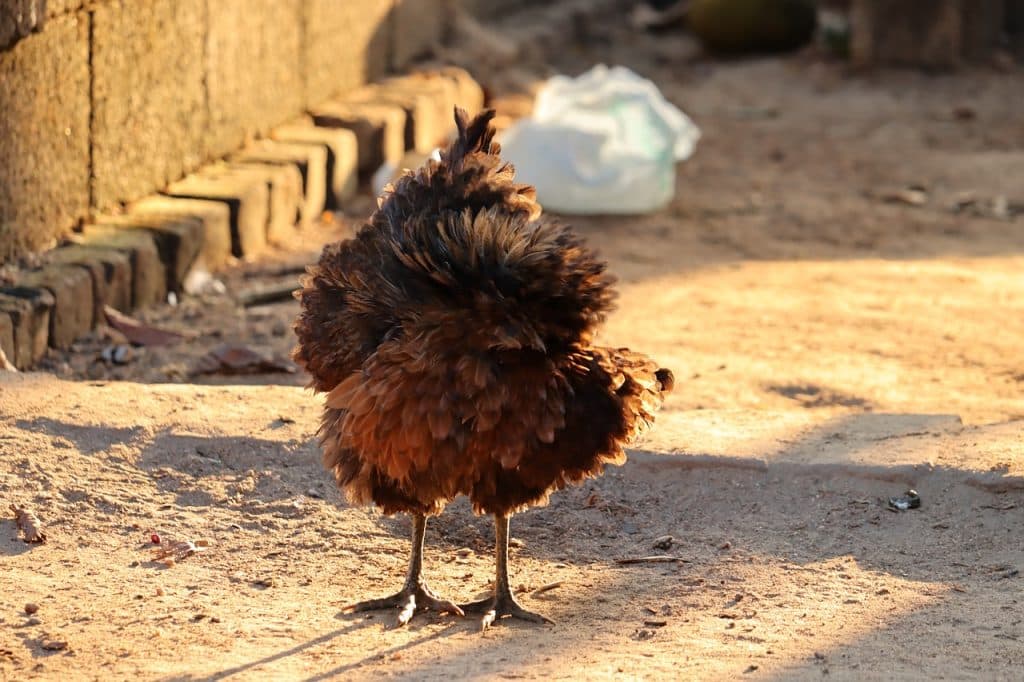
x: 605, y: 142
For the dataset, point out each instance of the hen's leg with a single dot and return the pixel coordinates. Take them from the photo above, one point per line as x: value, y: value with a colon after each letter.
x: 415, y: 595
x: 502, y: 604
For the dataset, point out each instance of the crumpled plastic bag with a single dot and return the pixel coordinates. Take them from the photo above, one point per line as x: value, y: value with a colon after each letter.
x: 605, y: 142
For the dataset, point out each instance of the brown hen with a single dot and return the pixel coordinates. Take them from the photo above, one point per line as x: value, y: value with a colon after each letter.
x: 452, y: 336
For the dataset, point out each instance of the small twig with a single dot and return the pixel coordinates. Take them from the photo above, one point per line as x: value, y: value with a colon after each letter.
x: 549, y: 586
x: 281, y: 271
x: 273, y: 293
x: 655, y: 559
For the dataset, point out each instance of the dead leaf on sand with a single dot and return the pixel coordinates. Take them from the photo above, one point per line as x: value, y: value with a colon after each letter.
x: 140, y: 333
x: 172, y: 551
x: 29, y: 524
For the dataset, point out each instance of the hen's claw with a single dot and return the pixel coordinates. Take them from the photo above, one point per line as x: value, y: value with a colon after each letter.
x: 502, y: 606
x: 409, y: 601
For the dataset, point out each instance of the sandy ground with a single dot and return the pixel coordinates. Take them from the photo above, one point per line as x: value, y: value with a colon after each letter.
x: 832, y: 349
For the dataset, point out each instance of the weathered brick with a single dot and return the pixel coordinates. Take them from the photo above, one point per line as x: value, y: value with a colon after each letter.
x: 345, y: 45
x: 284, y: 186
x: 379, y: 130
x: 421, y: 112
x: 254, y: 74
x: 419, y: 26
x: 178, y: 240
x: 149, y: 109
x: 44, y: 135
x: 247, y: 198
x: 71, y: 287
x: 7, y: 336
x: 20, y: 18
x: 342, y: 157
x: 984, y: 23
x: 496, y: 8
x: 469, y: 94
x: 29, y: 311
x: 311, y: 162
x: 96, y: 276
x: 57, y: 7
x: 111, y: 271
x: 215, y: 217
x: 149, y: 277
x: 918, y: 33
x: 439, y: 95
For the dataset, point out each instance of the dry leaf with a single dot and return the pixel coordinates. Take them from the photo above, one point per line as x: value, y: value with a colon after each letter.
x: 30, y: 525
x: 172, y: 551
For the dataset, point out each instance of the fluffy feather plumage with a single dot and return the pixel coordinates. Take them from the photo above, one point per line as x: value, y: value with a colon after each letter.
x: 452, y: 336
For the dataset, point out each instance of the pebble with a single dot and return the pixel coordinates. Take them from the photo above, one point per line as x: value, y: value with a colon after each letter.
x: 31, y: 608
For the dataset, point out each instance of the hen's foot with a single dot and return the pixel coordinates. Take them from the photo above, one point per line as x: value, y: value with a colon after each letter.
x: 502, y: 606
x: 409, y: 601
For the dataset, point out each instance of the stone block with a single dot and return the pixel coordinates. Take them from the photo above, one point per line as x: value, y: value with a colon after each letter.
x: 254, y: 67
x: 149, y: 109
x: 215, y: 216
x: 247, y: 198
x: 178, y: 239
x: 309, y: 160
x: 44, y: 135
x: 284, y: 188
x: 346, y: 44
x: 18, y: 18
x: 29, y: 311
x: 71, y: 288
x: 111, y: 272
x: 149, y: 277
x: 342, y: 157
x: 419, y: 26
x: 379, y: 130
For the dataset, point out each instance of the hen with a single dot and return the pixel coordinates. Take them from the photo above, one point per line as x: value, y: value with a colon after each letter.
x: 452, y: 336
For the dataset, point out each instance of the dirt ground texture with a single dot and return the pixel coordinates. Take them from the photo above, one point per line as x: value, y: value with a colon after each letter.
x: 832, y: 348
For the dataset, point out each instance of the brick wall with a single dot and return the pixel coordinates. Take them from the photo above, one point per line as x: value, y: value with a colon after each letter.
x: 107, y: 101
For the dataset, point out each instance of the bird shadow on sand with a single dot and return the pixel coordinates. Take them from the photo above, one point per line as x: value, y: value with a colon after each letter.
x: 799, y: 512
x: 10, y: 542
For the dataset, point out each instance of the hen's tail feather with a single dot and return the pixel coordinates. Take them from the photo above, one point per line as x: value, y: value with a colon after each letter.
x: 476, y: 135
